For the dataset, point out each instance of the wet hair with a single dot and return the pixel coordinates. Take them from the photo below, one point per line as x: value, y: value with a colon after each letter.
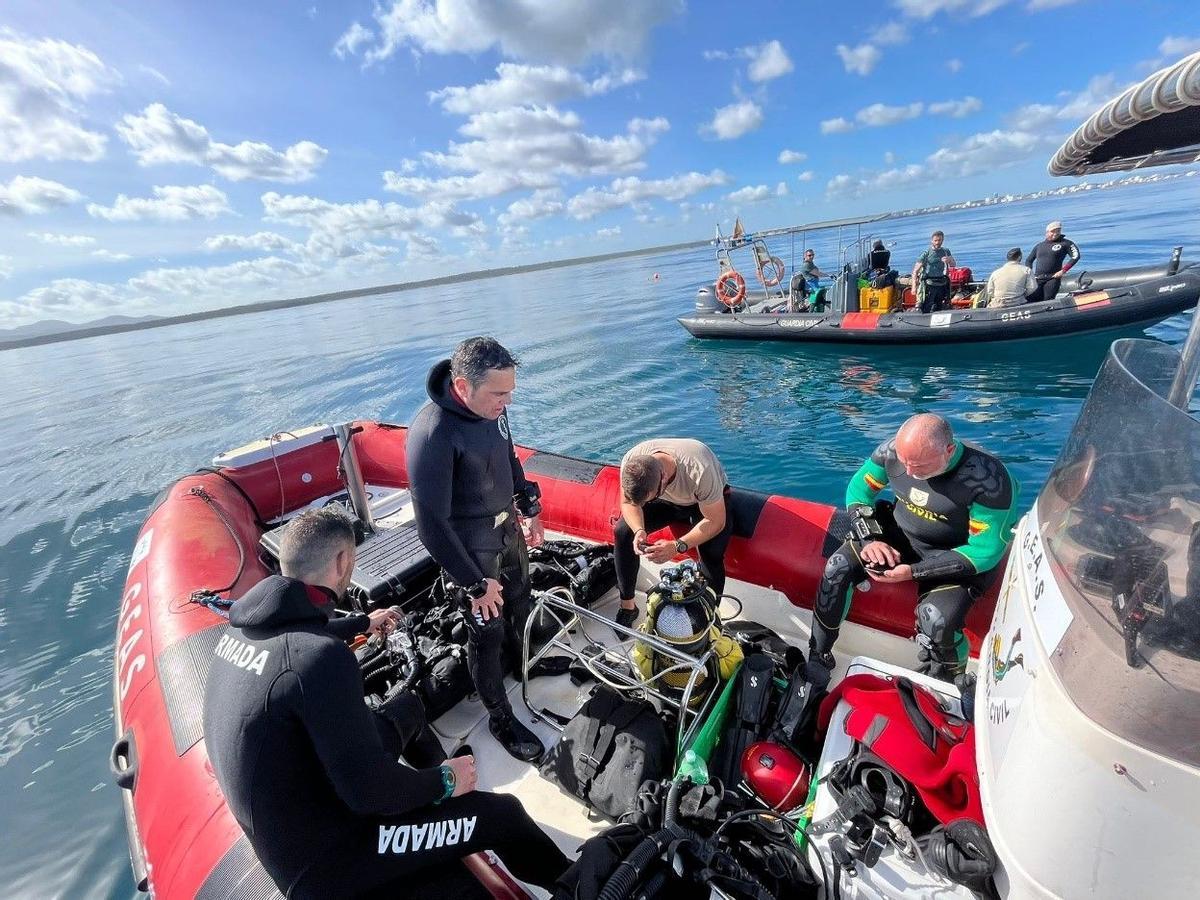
x: 640, y: 477
x: 878, y: 245
x: 938, y: 234
x: 476, y: 356
x: 312, y: 540
x: 1014, y: 254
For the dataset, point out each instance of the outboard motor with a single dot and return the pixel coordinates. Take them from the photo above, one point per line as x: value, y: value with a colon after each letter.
x: 706, y: 300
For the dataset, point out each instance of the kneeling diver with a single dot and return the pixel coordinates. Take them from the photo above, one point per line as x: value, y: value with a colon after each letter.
x: 950, y: 526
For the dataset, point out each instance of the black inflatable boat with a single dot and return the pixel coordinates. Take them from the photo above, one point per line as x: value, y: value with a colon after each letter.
x: 1087, y: 302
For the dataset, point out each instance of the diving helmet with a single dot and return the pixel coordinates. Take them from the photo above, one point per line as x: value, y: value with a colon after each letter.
x: 778, y: 777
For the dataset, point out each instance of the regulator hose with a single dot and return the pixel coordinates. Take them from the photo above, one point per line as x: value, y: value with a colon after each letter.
x: 622, y: 882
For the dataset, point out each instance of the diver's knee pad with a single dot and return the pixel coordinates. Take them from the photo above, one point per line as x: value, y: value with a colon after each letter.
x: 931, y: 622
x: 830, y: 603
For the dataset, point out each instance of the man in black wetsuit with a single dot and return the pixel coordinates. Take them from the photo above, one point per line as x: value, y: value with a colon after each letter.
x: 950, y: 526
x: 470, y: 496
x: 1050, y: 261
x: 310, y: 773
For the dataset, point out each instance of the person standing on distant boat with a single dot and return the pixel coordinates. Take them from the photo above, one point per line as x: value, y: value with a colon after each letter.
x: 310, y: 773
x: 1010, y: 284
x: 471, y: 499
x: 931, y: 272
x: 663, y: 481
x: 948, y: 530
x: 1051, y: 260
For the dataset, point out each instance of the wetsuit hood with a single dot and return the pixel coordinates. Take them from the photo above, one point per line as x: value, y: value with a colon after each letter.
x: 277, y: 601
x: 437, y: 385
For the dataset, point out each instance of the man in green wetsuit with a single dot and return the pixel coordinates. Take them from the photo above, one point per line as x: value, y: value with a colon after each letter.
x: 950, y: 527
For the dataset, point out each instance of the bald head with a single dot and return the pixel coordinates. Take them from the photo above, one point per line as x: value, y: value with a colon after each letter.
x: 924, y: 445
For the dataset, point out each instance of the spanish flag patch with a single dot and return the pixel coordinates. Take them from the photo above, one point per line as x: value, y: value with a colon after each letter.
x: 976, y: 527
x: 874, y: 483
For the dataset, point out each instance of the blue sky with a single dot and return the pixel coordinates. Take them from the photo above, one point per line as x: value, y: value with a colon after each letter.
x: 158, y: 158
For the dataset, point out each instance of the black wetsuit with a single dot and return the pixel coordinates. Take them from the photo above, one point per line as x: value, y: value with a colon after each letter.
x: 953, y: 529
x: 298, y: 756
x: 1047, y: 258
x: 464, y: 474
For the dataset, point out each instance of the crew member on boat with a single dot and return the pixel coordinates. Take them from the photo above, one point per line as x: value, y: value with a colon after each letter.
x: 309, y: 773
x: 665, y: 481
x: 1011, y: 283
x: 948, y: 529
x: 1051, y: 259
x: 471, y: 499
x: 931, y: 275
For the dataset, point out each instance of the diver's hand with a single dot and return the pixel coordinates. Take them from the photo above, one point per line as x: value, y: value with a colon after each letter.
x: 660, y: 551
x: 465, y: 775
x: 383, y: 621
x: 639, y: 542
x: 880, y: 554
x: 534, y: 531
x: 489, y: 604
x: 895, y: 575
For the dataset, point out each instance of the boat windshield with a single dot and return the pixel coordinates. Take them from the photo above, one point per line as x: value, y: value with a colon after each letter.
x: 1120, y: 518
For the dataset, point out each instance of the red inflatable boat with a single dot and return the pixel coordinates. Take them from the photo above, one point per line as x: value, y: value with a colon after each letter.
x: 203, y: 534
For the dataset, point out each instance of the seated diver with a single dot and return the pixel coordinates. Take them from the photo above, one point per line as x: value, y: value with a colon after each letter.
x: 310, y: 773
x: 950, y: 526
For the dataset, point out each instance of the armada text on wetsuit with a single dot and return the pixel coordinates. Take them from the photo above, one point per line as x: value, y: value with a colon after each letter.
x: 303, y: 767
x: 953, y: 529
x: 1048, y: 258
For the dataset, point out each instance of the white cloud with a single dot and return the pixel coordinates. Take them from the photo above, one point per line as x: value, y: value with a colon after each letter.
x: 927, y: 9
x: 365, y: 218
x: 1072, y: 109
x: 1039, y: 5
x: 1177, y: 46
x: 26, y: 196
x: 614, y: 231
x: 836, y: 126
x: 890, y: 33
x: 954, y: 65
x: 262, y: 241
x: 861, y: 59
x: 889, y: 158
x: 787, y: 157
x: 537, y: 205
x: 160, y: 136
x: 566, y: 33
x: 768, y: 61
x: 748, y: 194
x: 522, y: 148
x: 42, y: 83
x: 110, y: 256
x: 956, y: 109
x: 878, y: 115
x: 62, y: 240
x: 781, y: 189
x: 354, y: 37
x: 628, y: 191
x: 525, y: 85
x: 6, y: 268
x: 173, y: 203
x: 733, y: 121
x: 806, y: 175
x: 155, y: 74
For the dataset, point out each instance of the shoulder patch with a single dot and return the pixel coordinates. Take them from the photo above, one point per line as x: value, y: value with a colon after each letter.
x: 502, y: 424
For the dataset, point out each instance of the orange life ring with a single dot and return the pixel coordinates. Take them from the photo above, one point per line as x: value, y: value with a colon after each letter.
x: 731, y: 296
x: 777, y: 264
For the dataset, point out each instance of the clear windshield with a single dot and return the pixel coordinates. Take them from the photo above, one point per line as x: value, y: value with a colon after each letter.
x: 1120, y: 518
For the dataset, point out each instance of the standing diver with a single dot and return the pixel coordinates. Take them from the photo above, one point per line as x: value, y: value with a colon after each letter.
x: 470, y: 496
x: 1051, y: 260
x: 950, y: 526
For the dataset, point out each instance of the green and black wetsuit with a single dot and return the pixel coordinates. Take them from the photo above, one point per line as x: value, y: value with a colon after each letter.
x: 952, y: 529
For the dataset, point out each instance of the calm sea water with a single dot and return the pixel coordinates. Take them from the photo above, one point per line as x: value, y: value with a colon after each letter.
x: 95, y: 428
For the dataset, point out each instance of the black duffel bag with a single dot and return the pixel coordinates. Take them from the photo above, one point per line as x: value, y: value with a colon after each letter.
x: 607, y: 750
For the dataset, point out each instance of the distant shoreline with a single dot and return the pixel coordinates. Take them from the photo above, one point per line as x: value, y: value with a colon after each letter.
x: 288, y: 303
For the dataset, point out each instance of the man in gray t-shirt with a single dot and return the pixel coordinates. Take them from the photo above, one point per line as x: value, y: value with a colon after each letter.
x: 664, y: 481
x: 931, y: 275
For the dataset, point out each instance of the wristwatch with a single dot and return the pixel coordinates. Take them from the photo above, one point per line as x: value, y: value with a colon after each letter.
x: 449, y: 782
x: 681, y: 546
x: 477, y: 590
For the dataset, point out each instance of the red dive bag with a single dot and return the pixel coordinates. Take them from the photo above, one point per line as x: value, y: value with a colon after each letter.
x: 959, y: 276
x: 905, y: 726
